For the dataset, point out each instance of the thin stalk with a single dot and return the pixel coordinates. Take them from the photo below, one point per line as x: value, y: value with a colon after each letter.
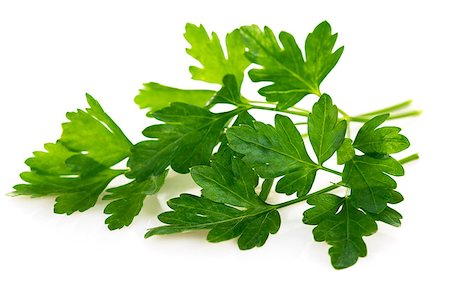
x: 303, y: 198
x: 406, y: 114
x: 330, y: 170
x: 363, y: 119
x: 297, y: 113
x: 388, y: 109
x: 410, y: 158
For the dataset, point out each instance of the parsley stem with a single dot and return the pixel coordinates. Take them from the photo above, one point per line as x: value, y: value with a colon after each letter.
x: 330, y: 170
x: 406, y: 114
x: 305, y: 197
x: 410, y: 158
x: 289, y: 111
x: 388, y: 109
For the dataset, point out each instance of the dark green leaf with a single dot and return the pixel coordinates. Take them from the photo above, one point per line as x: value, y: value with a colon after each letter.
x: 325, y: 207
x: 389, y: 216
x: 224, y: 222
x: 345, y: 152
x: 208, y: 51
x: 274, y: 152
x: 229, y: 205
x: 293, y: 76
x: 266, y: 188
x: 368, y: 177
x: 156, y: 96
x: 384, y: 140
x: 187, y: 139
x: 128, y: 200
x: 340, y: 225
x: 229, y: 93
x: 325, y: 132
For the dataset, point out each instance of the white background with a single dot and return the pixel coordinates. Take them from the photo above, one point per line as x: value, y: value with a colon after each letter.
x: 51, y: 52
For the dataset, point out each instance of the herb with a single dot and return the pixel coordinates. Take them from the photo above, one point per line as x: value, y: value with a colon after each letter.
x: 231, y: 156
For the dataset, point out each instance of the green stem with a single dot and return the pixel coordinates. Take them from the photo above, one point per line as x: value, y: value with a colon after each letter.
x: 406, y: 114
x: 410, y: 158
x: 297, y: 113
x: 303, y: 198
x: 363, y: 119
x: 388, y: 109
x: 330, y: 170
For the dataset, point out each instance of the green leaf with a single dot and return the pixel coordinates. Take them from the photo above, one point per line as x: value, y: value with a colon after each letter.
x: 368, y: 177
x: 345, y: 152
x: 325, y: 132
x: 293, y: 76
x: 128, y: 199
x: 74, y: 192
x: 384, y: 140
x: 229, y: 206
x: 187, y: 139
x: 274, y: 152
x: 235, y: 186
x: 342, y: 226
x: 95, y: 132
x: 389, y: 216
x: 229, y: 93
x: 208, y: 51
x: 266, y: 188
x: 224, y: 222
x: 77, y: 168
x: 156, y: 96
x: 325, y: 207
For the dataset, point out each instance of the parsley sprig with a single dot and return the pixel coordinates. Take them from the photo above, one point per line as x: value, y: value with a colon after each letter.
x: 235, y: 159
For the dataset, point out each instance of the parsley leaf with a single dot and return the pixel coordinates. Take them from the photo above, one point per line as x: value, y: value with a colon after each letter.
x: 229, y: 93
x: 274, y: 152
x: 345, y: 152
x: 342, y: 226
x: 77, y: 167
x: 325, y: 132
x: 156, y: 96
x: 128, y: 200
x: 187, y: 139
x: 369, y: 180
x: 229, y: 206
x: 384, y: 140
x: 208, y: 51
x: 293, y: 76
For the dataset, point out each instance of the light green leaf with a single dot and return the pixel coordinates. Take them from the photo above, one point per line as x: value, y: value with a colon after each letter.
x: 156, y: 96
x: 208, y: 51
x: 94, y: 132
x: 77, y: 168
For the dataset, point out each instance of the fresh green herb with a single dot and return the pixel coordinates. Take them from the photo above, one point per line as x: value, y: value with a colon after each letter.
x: 233, y: 158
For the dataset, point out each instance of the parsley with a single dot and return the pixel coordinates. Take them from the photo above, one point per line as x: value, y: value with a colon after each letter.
x: 231, y: 156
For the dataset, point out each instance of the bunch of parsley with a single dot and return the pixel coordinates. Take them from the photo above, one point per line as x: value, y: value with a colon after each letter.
x: 234, y: 158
